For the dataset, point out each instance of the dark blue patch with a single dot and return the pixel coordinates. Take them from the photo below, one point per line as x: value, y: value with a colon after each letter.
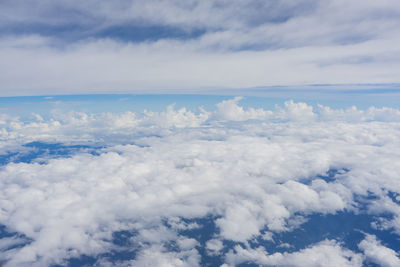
x: 123, y: 238
x: 135, y: 32
x: 123, y: 250
x: 205, y: 232
x: 39, y: 150
x: 345, y: 227
x: 329, y: 176
x: 5, y: 233
x: 9, y: 157
x: 368, y: 263
x: 248, y: 264
x: 79, y: 262
x: 395, y: 197
x: 140, y: 33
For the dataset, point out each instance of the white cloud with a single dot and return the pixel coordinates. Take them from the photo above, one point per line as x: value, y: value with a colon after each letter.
x: 231, y: 111
x: 168, y: 166
x: 378, y: 253
x: 98, y: 66
x: 325, y: 253
x: 56, y: 48
x: 155, y: 257
x: 214, y: 246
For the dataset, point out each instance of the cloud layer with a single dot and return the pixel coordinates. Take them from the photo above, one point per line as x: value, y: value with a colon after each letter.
x: 251, y: 173
x: 98, y: 46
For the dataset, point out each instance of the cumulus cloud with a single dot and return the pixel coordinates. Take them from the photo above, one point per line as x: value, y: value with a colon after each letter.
x: 378, y: 253
x: 253, y: 176
x: 325, y: 253
x: 231, y: 111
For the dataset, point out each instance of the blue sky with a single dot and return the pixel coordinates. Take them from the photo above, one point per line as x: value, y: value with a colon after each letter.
x: 75, y: 47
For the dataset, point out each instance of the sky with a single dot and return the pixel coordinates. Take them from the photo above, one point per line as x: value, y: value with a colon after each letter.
x: 122, y: 46
x: 199, y: 133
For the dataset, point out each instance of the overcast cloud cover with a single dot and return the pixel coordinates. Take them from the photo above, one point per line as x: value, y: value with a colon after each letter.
x: 159, y: 177
x: 52, y: 47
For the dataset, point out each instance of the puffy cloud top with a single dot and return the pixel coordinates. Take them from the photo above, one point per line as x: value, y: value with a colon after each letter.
x: 157, y: 178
